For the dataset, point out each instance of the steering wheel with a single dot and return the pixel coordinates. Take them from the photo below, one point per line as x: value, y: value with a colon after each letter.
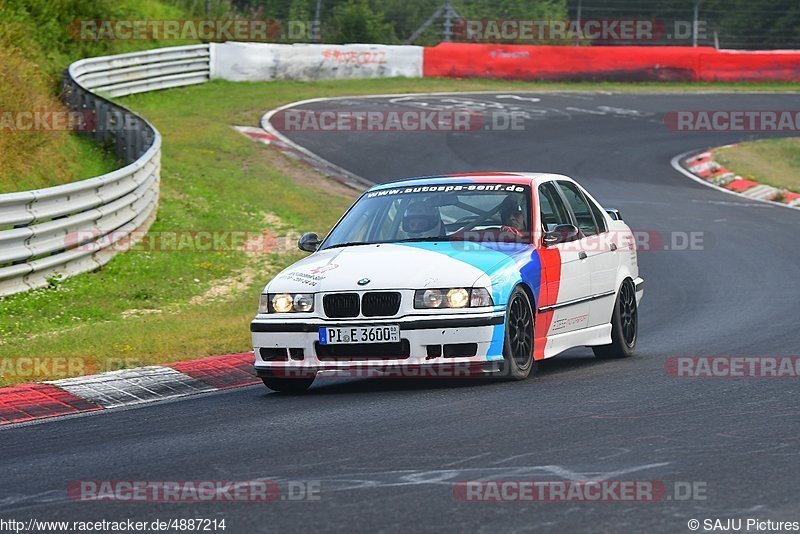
x: 467, y: 218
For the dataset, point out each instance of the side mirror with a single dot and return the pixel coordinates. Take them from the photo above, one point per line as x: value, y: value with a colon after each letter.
x: 563, y: 233
x: 309, y: 242
x: 615, y: 214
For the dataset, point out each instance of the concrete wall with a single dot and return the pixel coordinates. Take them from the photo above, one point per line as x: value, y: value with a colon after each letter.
x: 250, y: 62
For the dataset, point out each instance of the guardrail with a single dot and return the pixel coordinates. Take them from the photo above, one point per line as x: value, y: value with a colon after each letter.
x: 75, y: 228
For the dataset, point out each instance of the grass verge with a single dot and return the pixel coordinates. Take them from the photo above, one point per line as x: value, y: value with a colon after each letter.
x: 37, y: 41
x: 148, y: 307
x: 31, y: 158
x: 774, y: 162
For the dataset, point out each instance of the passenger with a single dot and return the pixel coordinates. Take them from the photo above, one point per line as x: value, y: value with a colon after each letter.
x: 512, y: 215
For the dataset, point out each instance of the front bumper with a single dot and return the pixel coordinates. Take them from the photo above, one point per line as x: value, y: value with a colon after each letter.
x: 484, y: 332
x: 638, y: 286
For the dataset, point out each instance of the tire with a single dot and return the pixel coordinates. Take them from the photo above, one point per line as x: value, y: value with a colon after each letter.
x: 624, y: 326
x: 288, y: 385
x: 518, y: 362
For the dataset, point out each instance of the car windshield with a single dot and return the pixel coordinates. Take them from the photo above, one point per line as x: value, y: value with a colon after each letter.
x: 483, y: 212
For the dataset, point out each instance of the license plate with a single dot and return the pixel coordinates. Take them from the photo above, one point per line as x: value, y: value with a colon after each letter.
x: 359, y: 334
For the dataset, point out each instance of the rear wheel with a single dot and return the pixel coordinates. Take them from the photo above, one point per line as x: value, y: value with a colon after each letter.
x: 518, y: 362
x: 624, y: 325
x: 288, y: 384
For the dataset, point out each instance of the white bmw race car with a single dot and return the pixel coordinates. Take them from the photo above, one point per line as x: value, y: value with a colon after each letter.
x: 452, y: 276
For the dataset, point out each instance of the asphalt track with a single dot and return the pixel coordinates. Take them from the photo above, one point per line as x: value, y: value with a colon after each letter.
x: 387, y: 453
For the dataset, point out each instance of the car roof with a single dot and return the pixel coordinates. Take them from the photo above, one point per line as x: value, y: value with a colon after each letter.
x: 522, y: 178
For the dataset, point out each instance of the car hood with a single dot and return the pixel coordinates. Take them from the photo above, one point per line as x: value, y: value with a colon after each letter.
x: 393, y: 266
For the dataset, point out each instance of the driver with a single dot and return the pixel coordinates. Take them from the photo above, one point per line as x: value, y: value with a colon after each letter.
x: 512, y: 215
x: 422, y: 220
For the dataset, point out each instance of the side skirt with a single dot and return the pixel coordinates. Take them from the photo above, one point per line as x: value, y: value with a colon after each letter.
x: 596, y: 335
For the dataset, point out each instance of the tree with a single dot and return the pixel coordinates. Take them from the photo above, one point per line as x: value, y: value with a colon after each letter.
x: 355, y: 22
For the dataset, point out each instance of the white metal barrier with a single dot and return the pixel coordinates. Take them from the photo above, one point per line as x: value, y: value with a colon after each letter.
x: 77, y: 227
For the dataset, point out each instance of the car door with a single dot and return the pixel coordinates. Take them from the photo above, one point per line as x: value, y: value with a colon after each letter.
x: 566, y: 293
x: 602, y: 259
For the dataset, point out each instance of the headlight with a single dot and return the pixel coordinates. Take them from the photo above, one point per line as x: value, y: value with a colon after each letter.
x: 282, y: 302
x: 458, y: 297
x: 303, y: 302
x: 286, y: 303
x: 429, y: 298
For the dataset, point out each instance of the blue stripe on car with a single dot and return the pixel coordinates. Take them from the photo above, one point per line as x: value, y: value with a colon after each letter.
x: 507, y: 264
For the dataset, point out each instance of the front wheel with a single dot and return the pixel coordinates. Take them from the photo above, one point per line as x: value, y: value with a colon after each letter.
x: 518, y: 362
x: 624, y: 325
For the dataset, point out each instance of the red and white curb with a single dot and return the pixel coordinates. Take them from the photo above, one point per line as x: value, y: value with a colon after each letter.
x: 712, y: 173
x: 28, y: 402
x: 276, y: 139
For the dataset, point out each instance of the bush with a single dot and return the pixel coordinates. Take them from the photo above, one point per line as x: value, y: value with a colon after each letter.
x: 355, y: 22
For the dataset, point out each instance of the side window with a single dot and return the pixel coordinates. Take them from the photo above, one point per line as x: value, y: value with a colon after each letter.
x: 581, y: 209
x: 553, y: 211
x: 599, y: 218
